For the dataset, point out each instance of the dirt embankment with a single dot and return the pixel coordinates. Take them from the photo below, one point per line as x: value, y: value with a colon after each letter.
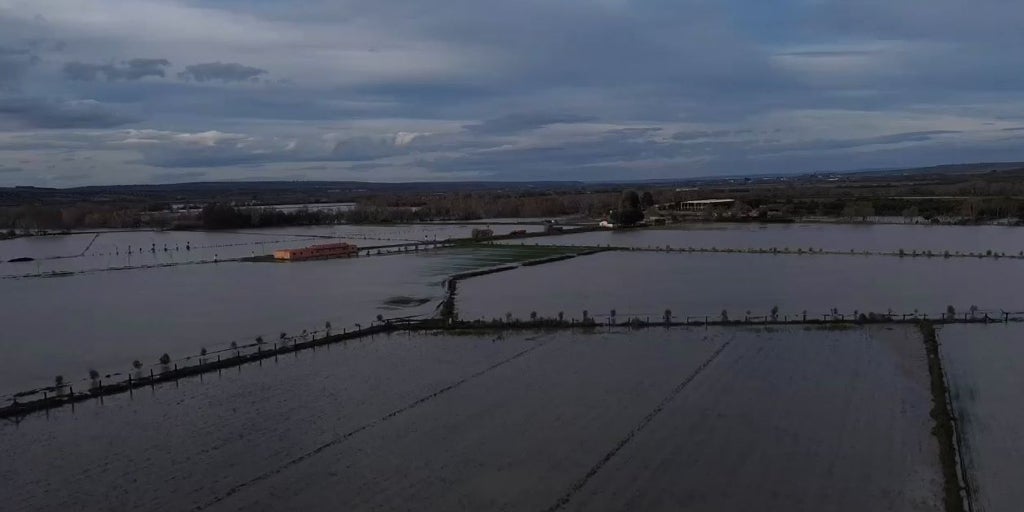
x: 956, y: 495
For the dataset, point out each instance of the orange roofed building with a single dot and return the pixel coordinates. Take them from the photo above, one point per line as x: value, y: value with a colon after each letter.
x: 317, y: 252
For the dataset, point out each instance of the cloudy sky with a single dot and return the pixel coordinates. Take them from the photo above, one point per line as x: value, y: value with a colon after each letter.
x: 155, y: 91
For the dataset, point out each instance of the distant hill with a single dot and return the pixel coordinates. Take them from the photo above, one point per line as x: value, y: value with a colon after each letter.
x: 262, y: 191
x: 281, y: 192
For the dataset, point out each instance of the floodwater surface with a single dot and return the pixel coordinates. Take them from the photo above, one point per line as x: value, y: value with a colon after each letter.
x: 646, y: 284
x: 133, y: 249
x: 984, y: 365
x: 69, y: 325
x: 831, y: 237
x: 720, y: 418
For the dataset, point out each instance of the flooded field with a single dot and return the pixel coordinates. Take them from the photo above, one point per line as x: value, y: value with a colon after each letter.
x: 832, y: 237
x: 983, y: 364
x: 91, y: 251
x: 66, y: 326
x: 800, y: 420
x: 646, y: 284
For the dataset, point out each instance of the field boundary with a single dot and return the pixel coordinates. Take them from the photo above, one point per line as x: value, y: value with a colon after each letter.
x: 579, y: 484
x: 344, y: 437
x: 799, y: 251
x: 52, y: 397
x: 957, y: 496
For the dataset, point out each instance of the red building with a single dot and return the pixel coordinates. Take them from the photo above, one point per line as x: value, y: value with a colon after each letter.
x: 318, y: 252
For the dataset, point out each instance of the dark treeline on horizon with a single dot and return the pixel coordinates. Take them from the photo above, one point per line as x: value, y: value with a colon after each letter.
x: 964, y: 198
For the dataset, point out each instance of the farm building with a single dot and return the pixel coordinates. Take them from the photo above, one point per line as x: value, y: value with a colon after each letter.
x: 317, y: 252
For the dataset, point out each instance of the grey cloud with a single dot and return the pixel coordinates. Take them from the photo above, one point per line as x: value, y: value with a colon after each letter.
x: 705, y: 134
x: 833, y: 144
x: 171, y: 151
x: 221, y: 71
x: 72, y: 177
x: 134, y: 69
x: 14, y: 64
x: 179, y: 176
x: 10, y: 170
x: 52, y: 113
x: 514, y: 123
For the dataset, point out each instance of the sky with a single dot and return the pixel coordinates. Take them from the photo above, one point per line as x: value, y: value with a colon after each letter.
x: 161, y: 91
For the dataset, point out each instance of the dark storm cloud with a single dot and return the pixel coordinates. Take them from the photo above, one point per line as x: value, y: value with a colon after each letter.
x: 221, y: 71
x: 134, y: 69
x: 10, y: 170
x: 53, y: 113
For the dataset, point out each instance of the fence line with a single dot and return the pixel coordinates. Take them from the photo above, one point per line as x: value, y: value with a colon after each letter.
x: 58, y: 396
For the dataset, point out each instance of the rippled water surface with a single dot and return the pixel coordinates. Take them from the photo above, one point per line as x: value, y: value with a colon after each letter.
x: 68, y: 325
x: 646, y: 284
x: 94, y: 251
x: 833, y: 237
x: 716, y: 419
x: 986, y: 383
